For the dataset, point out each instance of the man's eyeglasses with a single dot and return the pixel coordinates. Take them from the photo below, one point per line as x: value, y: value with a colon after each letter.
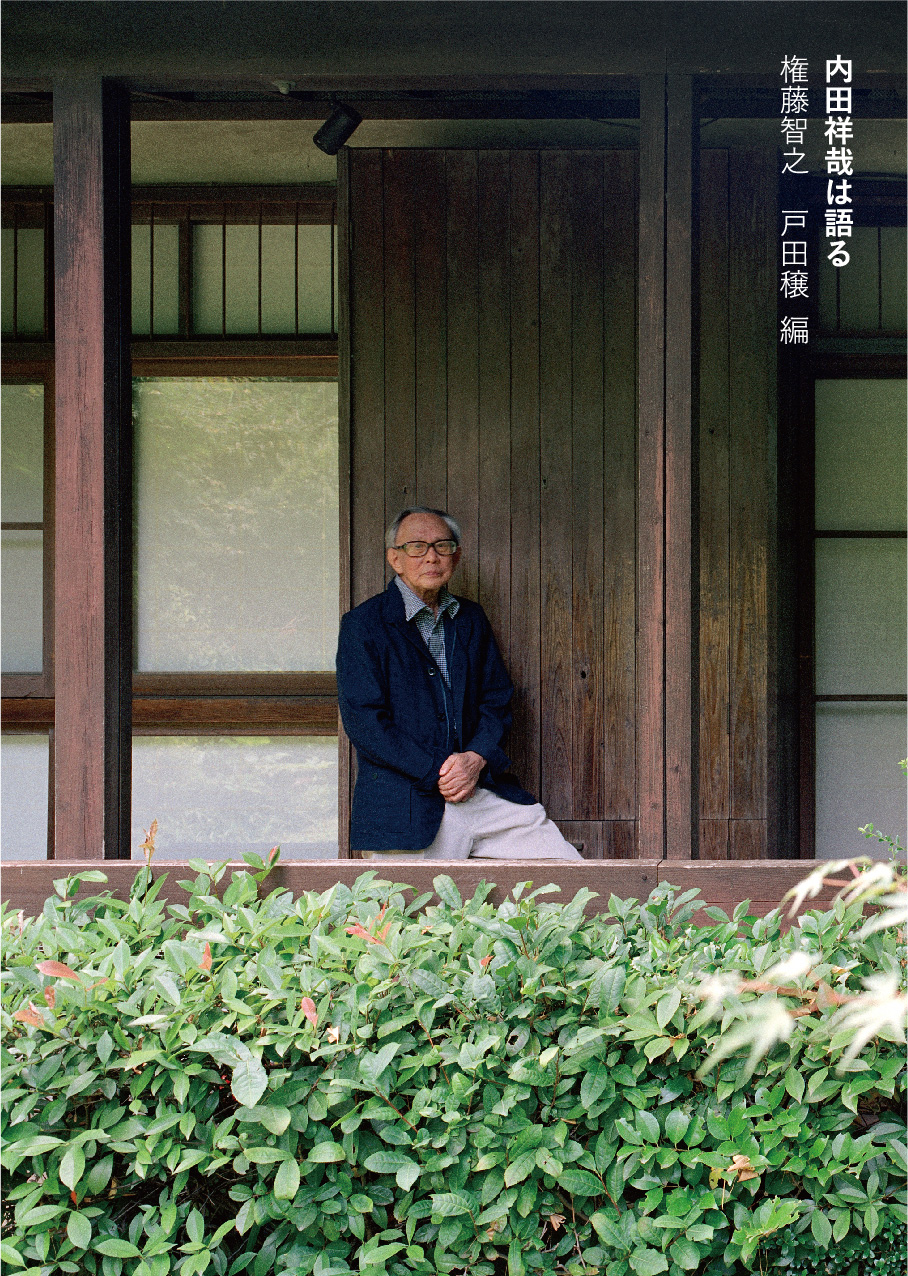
x: 416, y: 549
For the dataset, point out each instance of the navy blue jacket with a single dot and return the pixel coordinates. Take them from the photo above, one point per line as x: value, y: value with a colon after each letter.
x: 405, y: 722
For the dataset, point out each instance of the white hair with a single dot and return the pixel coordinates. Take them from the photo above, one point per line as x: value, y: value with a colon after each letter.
x: 452, y: 523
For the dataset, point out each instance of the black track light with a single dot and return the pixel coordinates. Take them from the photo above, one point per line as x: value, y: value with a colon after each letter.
x: 337, y: 129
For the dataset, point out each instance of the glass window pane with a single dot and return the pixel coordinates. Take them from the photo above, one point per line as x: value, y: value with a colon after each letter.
x: 315, y: 279
x: 860, y: 455
x: 279, y: 268
x: 28, y: 303
x: 859, y: 283
x: 166, y: 279
x: 22, y: 576
x: 859, y: 780
x: 894, y: 268
x: 237, y: 524
x: 217, y: 797
x: 23, y: 793
x: 860, y: 617
x: 22, y: 448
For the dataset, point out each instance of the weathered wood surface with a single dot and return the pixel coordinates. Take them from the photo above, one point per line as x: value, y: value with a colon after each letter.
x: 93, y: 592
x: 496, y: 375
x: 737, y: 505
x: 25, y: 885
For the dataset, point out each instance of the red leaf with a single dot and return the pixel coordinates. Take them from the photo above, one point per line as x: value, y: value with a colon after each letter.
x: 272, y: 854
x: 50, y: 995
x: 28, y: 1014
x: 484, y: 961
x: 205, y: 963
x: 358, y: 930
x: 57, y: 968
x: 72, y: 1197
x: 307, y: 1005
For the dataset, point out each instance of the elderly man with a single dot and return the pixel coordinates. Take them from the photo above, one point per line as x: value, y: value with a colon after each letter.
x: 424, y: 696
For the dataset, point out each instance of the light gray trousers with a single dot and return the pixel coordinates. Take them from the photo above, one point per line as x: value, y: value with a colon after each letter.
x: 486, y: 826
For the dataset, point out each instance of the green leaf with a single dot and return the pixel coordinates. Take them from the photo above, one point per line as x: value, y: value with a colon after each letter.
x: 648, y: 1126
x: 273, y: 1116
x: 168, y: 987
x: 78, y: 1229
x: 428, y: 982
x: 579, y: 1182
x: 872, y: 1220
x: 520, y: 1168
x: 249, y: 1082
x: 449, y: 1204
x: 72, y: 1166
x: 447, y: 891
x: 821, y: 1229
x: 268, y: 1155
x: 841, y: 1226
x: 658, y: 1045
x: 676, y: 1124
x: 794, y: 1084
x: 667, y: 1005
x: 10, y: 1254
x: 648, y: 1262
x: 407, y: 1175
x: 324, y: 1153
x: 387, y: 1162
x: 195, y: 1226
x: 40, y: 1214
x: 685, y: 1254
x: 606, y: 988
x: 287, y: 1180
x: 516, y: 1265
x: 113, y: 1247
x: 593, y: 1083
x: 608, y: 1230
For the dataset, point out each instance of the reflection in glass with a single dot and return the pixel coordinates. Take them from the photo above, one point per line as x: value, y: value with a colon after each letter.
x: 860, y: 455
x: 23, y: 793
x: 861, y: 617
x: 237, y: 524
x: 859, y: 780
x: 22, y: 576
x: 22, y: 445
x: 215, y: 797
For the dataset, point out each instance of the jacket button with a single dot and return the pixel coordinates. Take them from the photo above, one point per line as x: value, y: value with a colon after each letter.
x: 430, y: 671
x: 441, y: 717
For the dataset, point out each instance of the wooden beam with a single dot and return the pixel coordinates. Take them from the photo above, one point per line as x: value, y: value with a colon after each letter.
x: 93, y: 606
x: 26, y: 884
x: 667, y: 713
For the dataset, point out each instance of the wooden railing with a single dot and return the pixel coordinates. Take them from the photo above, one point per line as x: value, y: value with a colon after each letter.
x: 25, y: 885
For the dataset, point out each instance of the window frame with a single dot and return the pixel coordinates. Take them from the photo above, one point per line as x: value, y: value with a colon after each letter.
x: 211, y: 704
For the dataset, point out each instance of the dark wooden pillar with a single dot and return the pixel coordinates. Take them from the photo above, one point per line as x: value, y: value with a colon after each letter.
x: 93, y: 609
x: 667, y: 693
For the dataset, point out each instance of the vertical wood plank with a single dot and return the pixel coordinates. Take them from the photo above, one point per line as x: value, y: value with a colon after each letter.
x: 714, y: 839
x: 344, y: 474
x: 682, y: 716
x: 619, y: 522
x: 586, y: 835
x: 651, y: 473
x: 555, y: 327
x: 619, y: 840
x: 367, y: 383
x: 494, y: 394
x: 747, y: 839
x: 463, y: 359
x: 400, y: 335
x: 93, y: 591
x: 524, y: 655
x: 752, y: 348
x: 587, y: 252
x: 714, y: 502
x: 429, y: 245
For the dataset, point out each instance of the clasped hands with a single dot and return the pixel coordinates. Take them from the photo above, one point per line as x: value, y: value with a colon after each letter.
x: 458, y: 775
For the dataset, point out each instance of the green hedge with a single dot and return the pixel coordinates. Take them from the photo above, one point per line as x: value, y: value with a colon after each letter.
x: 349, y: 1082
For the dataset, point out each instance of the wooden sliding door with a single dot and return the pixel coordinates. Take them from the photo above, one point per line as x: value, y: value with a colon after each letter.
x: 492, y: 371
